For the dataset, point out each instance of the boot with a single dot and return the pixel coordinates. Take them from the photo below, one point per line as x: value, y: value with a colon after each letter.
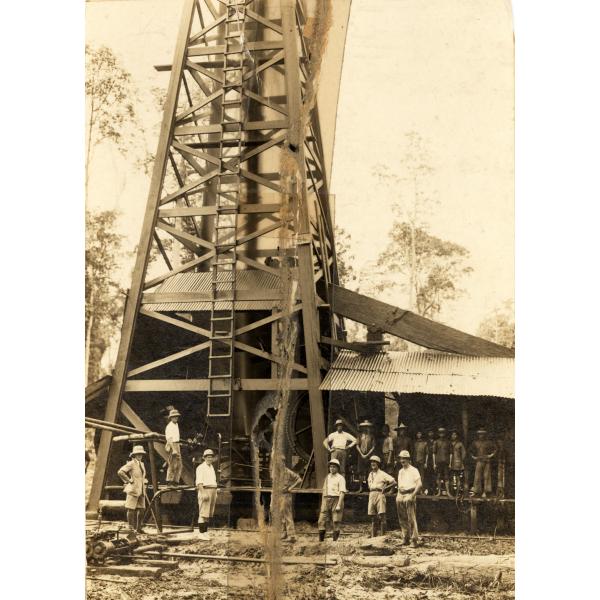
x: 132, y: 519
x: 336, y: 535
x: 374, y: 526
x: 382, y: 524
x: 439, y: 487
x: 321, y: 535
x: 203, y: 535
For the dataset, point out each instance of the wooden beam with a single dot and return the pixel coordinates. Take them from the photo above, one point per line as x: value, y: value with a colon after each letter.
x: 181, y: 269
x: 168, y: 359
x: 201, y: 385
x: 409, y: 326
x: 310, y: 318
x: 355, y: 346
x: 203, y: 211
x: 176, y: 322
x: 141, y: 263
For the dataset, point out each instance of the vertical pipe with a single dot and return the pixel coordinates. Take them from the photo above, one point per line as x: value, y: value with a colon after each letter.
x: 154, y: 477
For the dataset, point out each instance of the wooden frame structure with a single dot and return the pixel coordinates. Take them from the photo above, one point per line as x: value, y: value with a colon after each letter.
x: 238, y: 174
x: 239, y: 219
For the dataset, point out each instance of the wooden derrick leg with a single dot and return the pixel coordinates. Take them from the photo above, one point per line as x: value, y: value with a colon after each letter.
x: 135, y: 293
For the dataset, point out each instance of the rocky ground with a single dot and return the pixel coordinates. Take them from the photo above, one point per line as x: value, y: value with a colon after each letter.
x: 453, y: 568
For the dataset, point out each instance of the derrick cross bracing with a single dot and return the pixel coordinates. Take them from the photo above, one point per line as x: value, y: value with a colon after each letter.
x: 239, y: 174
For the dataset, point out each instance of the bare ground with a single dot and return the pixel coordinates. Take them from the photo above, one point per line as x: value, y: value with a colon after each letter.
x: 449, y: 568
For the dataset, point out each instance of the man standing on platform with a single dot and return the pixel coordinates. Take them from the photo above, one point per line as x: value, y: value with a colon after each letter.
x: 365, y: 447
x: 206, y: 484
x: 338, y: 443
x: 457, y: 462
x: 133, y: 475
x: 332, y: 501
x: 387, y: 449
x: 409, y: 485
x: 429, y: 479
x: 379, y: 482
x: 482, y: 452
x: 420, y: 454
x: 288, y: 481
x: 173, y: 448
x: 441, y: 461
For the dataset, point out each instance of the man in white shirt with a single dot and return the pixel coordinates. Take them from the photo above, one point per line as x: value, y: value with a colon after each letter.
x: 409, y: 485
x: 206, y: 484
x: 173, y: 448
x: 338, y: 443
x: 379, y: 483
x: 332, y: 501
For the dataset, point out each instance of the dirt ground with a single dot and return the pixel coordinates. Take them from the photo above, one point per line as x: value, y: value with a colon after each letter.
x: 443, y: 567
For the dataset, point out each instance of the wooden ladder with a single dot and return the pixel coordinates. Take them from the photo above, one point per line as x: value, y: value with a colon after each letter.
x: 222, y: 315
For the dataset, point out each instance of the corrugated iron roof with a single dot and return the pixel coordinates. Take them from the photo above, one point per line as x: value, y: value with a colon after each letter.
x: 422, y: 372
x: 201, y: 282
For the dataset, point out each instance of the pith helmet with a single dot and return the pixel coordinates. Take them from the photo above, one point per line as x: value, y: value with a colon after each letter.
x: 174, y: 413
x: 137, y: 450
x: 375, y: 459
x: 365, y: 424
x: 335, y: 461
x: 208, y: 452
x: 441, y: 430
x: 339, y: 422
x: 401, y: 426
x: 404, y: 454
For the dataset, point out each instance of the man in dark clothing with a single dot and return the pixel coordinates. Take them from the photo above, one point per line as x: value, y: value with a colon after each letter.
x: 429, y: 482
x: 402, y: 442
x: 457, y: 462
x: 482, y: 452
x: 365, y: 447
x: 441, y: 461
x: 420, y: 454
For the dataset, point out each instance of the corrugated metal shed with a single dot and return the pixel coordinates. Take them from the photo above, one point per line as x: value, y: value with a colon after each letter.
x: 422, y: 372
x: 201, y: 283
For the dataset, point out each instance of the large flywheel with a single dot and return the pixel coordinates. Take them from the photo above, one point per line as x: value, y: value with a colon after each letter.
x: 297, y: 426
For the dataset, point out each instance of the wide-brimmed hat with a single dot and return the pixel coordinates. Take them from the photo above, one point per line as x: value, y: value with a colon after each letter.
x: 401, y: 426
x: 335, y: 461
x: 404, y: 454
x: 365, y: 424
x: 174, y: 413
x: 375, y: 459
x: 441, y: 429
x: 339, y: 422
x: 208, y: 452
x: 137, y: 450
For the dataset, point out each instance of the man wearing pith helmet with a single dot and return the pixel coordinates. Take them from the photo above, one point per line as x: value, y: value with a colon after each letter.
x: 332, y: 501
x: 173, y: 448
x: 338, y: 443
x: 133, y: 475
x: 409, y: 485
x: 206, y: 484
x: 379, y: 482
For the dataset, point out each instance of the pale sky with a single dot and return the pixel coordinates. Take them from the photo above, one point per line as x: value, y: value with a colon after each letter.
x: 443, y: 68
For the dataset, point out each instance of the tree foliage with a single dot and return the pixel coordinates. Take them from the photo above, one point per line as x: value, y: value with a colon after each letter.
x: 104, y: 298
x: 499, y: 326
x: 344, y: 256
x: 439, y: 266
x: 110, y: 96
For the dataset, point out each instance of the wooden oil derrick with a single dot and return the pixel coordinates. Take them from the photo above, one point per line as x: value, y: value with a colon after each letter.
x: 237, y: 145
x: 239, y: 218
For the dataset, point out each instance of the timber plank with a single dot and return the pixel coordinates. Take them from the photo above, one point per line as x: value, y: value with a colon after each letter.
x: 410, y: 326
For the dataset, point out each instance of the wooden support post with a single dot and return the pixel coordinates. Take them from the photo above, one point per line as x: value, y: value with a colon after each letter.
x: 141, y: 263
x: 310, y: 318
x: 154, y: 477
x: 473, y: 517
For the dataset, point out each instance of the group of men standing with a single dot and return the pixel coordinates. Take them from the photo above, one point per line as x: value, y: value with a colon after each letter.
x: 439, y: 463
x: 440, y: 460
x: 133, y: 475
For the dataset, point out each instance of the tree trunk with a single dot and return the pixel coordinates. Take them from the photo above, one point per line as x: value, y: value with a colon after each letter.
x: 88, y: 337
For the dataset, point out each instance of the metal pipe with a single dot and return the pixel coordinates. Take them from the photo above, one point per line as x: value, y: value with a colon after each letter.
x: 235, y: 558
